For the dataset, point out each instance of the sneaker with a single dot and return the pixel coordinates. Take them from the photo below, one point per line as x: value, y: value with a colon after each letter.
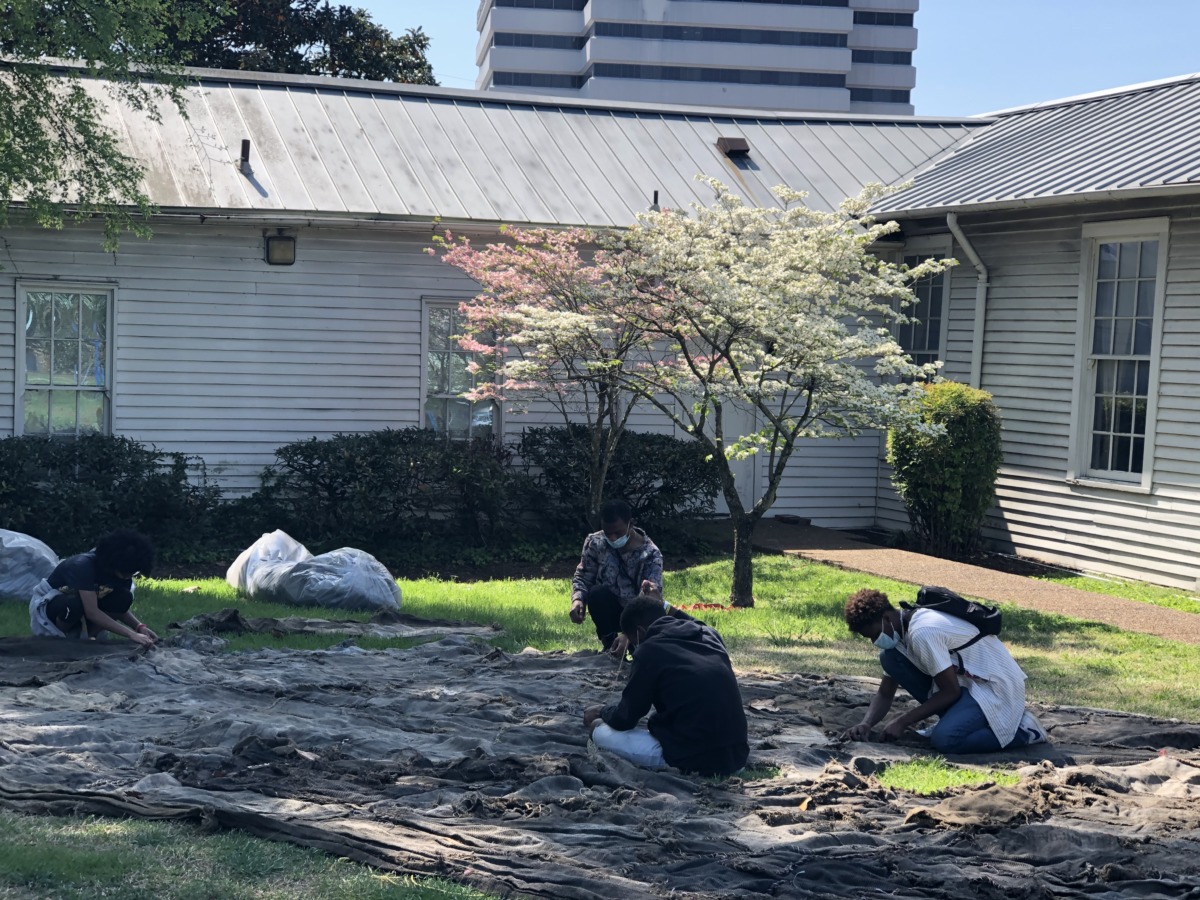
x: 1031, y: 728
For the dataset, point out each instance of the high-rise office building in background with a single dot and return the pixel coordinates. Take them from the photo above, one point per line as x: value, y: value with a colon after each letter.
x: 848, y: 56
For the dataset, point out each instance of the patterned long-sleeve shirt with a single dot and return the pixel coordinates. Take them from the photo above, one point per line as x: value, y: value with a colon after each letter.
x: 623, y: 570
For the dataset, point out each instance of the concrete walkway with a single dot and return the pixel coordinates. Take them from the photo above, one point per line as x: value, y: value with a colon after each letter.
x: 836, y: 549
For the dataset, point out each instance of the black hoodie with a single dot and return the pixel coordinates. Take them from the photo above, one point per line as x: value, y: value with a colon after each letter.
x: 682, y: 669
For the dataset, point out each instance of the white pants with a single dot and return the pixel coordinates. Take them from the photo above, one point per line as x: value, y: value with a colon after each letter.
x: 637, y: 745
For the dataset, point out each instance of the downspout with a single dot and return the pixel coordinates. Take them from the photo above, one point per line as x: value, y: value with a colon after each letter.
x: 981, y: 290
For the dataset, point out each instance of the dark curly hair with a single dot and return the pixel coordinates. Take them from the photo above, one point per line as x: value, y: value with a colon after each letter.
x: 125, y: 551
x: 865, y: 607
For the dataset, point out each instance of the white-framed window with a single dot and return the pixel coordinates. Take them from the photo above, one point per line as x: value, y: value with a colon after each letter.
x: 448, y: 377
x: 64, y: 356
x: 1123, y: 278
x: 924, y: 337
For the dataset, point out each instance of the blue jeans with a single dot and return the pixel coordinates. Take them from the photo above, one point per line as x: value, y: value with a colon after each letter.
x: 962, y: 728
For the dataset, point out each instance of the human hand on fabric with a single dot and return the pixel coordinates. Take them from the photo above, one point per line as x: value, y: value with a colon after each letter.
x: 147, y: 630
x: 651, y: 589
x: 859, y: 732
x: 894, y: 729
x: 143, y: 639
x: 619, y: 647
x: 591, y: 717
x: 577, y: 611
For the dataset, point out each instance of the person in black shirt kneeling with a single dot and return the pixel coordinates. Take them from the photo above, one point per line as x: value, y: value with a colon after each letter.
x: 681, y: 668
x: 91, y: 593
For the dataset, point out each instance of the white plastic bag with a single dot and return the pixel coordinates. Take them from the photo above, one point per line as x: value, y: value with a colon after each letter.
x: 24, y: 562
x: 278, y: 569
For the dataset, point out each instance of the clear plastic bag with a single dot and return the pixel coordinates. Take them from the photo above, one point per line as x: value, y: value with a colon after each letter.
x: 279, y: 569
x: 24, y: 562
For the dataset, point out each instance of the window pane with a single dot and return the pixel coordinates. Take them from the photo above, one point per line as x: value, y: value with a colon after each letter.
x: 1129, y: 260
x: 1105, y: 292
x: 435, y: 373
x: 37, y: 362
x: 1108, y: 261
x: 66, y: 316
x: 1139, y: 452
x: 435, y: 414
x: 459, y: 414
x: 63, y: 416
x: 91, y: 370
x: 1126, y: 298
x: 1143, y: 379
x: 1122, y: 447
x: 94, y: 317
x: 1139, y: 417
x: 1145, y: 299
x: 440, y: 322
x: 1149, y: 264
x: 1124, y: 410
x: 1126, y: 376
x: 65, y: 362
x: 38, y: 315
x: 1102, y: 337
x: 1141, y: 337
x: 1122, y: 337
x: 1102, y: 418
x: 460, y: 378
x: 483, y: 419
x: 1100, y: 447
x: 93, y: 411
x: 1106, y: 376
x: 37, y: 412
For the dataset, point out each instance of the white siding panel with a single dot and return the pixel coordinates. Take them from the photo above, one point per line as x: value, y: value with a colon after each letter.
x: 1028, y: 366
x: 8, y: 354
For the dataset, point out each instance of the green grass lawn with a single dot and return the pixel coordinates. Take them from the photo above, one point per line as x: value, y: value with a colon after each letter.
x: 796, y: 626
x: 1171, y: 598
x: 932, y: 775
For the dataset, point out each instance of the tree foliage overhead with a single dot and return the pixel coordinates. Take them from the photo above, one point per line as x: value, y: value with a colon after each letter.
x: 308, y: 37
x: 56, y: 155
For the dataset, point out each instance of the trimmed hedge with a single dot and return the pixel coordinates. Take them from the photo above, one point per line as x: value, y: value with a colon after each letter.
x: 947, y: 479
x: 70, y: 491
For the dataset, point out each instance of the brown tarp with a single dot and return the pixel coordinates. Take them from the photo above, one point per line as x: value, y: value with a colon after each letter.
x: 459, y: 760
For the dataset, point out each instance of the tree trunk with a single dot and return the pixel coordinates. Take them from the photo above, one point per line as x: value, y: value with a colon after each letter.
x: 741, y: 594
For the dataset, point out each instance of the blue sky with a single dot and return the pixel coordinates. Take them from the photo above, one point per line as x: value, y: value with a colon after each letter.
x: 975, y: 56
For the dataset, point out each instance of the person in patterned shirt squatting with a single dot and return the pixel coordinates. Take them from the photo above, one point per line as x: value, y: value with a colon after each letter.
x: 618, y: 563
x: 978, y: 693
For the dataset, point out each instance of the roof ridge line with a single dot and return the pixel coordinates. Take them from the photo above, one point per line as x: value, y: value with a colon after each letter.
x: 1140, y: 87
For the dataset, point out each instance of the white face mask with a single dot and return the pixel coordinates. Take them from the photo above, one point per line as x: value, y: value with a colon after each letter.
x: 886, y: 641
x: 619, y: 542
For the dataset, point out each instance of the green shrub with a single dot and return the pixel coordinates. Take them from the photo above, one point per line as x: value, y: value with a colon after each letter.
x: 947, y: 479
x: 383, y: 490
x: 665, y: 479
x: 70, y: 491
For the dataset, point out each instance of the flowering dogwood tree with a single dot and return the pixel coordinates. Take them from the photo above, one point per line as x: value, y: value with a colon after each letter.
x: 547, y: 325
x: 783, y: 313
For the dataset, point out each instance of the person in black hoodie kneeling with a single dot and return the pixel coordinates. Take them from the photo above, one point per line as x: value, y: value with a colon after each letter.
x: 681, y: 668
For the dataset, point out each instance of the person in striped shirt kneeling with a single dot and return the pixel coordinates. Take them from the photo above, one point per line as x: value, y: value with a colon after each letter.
x: 977, y: 691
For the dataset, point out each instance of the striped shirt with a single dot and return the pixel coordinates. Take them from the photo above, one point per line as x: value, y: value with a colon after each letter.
x: 989, y: 672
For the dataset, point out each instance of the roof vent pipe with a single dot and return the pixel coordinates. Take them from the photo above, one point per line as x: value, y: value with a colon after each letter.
x: 654, y: 207
x: 244, y: 162
x: 981, y: 291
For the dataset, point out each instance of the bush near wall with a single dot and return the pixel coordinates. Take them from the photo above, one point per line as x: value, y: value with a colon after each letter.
x: 947, y: 479
x: 410, y: 497
x: 666, y: 480
x: 70, y: 491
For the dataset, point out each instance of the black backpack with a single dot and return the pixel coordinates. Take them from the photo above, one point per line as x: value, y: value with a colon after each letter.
x: 985, y: 618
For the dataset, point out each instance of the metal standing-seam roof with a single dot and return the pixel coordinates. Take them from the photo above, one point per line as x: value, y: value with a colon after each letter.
x: 1144, y: 137
x: 340, y: 147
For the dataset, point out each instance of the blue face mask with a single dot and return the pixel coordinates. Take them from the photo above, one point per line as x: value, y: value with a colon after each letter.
x: 619, y: 542
x: 886, y: 641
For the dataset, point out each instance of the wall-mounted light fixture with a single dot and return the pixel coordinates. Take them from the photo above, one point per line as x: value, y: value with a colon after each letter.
x: 279, y: 249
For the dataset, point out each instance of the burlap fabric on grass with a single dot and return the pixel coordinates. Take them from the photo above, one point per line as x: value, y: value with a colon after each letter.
x: 462, y: 761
